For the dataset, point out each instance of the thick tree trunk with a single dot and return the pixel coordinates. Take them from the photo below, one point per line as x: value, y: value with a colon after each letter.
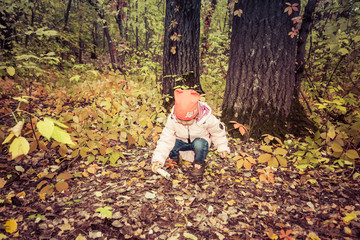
x: 181, y: 45
x: 298, y: 123
x: 261, y: 79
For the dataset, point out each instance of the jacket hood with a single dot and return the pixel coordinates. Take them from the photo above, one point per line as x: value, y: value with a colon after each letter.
x: 204, y: 112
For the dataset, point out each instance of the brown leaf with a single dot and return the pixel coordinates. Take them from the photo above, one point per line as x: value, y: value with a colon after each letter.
x: 64, y: 176
x: 61, y: 186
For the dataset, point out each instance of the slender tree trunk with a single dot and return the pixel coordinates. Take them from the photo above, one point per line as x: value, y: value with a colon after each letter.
x: 94, y: 40
x: 181, y: 45
x: 119, y: 18
x: 112, y: 49
x: 137, y: 23
x: 261, y: 79
x: 67, y: 14
x: 147, y: 30
x: 298, y: 123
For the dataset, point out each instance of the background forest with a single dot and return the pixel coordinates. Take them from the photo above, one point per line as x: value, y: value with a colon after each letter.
x: 86, y: 86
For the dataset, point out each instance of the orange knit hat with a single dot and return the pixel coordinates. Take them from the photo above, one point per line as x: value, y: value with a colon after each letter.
x: 186, y: 104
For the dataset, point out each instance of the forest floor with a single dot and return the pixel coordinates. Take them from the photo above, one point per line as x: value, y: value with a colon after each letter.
x: 130, y: 202
x: 48, y: 196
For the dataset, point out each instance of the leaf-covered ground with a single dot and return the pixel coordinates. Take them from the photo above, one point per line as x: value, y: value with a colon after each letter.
x: 226, y: 204
x: 60, y: 192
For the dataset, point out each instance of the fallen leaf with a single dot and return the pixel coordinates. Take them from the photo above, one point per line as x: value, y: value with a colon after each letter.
x: 150, y: 195
x: 61, y: 186
x: 190, y: 236
x: 10, y: 226
x: 80, y: 237
x: 2, y: 182
x: 349, y: 217
x: 2, y: 236
x: 16, y: 130
x: 64, y: 176
x: 105, y: 212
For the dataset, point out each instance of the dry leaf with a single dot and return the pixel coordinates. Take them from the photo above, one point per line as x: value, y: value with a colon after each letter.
x: 10, y: 226
x: 2, y: 182
x: 16, y: 130
x: 61, y: 186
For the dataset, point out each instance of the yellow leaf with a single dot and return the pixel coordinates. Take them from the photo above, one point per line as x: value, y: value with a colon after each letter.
x: 2, y: 236
x: 21, y: 194
x: 10, y: 71
x: 336, y: 148
x: 352, y: 154
x: 239, y: 163
x: 10, y: 226
x: 85, y: 174
x: 347, y: 230
x: 42, y: 196
x: 8, y: 138
x: 273, y: 162
x: 80, y: 237
x: 46, y: 128
x: 267, y: 149
x: 331, y: 132
x: 280, y: 151
x: 282, y: 161
x: 173, y: 50
x: 231, y: 202
x: 264, y: 158
x: 19, y: 147
x: 349, y: 217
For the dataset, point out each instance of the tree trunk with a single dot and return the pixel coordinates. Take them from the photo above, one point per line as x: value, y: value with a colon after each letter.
x: 94, y: 40
x: 137, y: 23
x: 119, y: 18
x: 67, y: 14
x: 181, y: 45
x: 261, y: 74
x: 112, y: 49
x: 298, y: 123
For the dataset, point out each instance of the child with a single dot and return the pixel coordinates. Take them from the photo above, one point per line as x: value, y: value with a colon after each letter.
x: 189, y: 131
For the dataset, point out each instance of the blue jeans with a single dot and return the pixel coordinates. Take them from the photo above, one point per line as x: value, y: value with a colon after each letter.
x: 200, y: 147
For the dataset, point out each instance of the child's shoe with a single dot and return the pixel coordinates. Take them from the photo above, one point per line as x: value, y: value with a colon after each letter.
x: 198, y: 169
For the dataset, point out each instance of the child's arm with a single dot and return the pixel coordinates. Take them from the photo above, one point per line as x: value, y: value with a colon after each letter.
x: 218, y: 135
x: 164, y: 144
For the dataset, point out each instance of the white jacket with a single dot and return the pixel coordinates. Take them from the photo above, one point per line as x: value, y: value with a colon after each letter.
x: 207, y: 126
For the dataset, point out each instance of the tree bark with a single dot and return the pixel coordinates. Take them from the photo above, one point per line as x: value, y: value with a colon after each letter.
x: 112, y: 49
x: 298, y: 123
x: 261, y: 74
x: 67, y: 14
x: 181, y: 46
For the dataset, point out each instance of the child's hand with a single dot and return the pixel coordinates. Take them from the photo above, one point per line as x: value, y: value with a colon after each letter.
x: 223, y: 154
x: 155, y: 167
